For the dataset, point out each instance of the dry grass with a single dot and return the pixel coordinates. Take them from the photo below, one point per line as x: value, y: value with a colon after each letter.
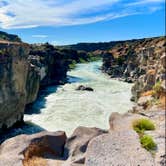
x: 35, y: 161
x: 147, y: 93
x: 34, y: 155
x: 151, y: 72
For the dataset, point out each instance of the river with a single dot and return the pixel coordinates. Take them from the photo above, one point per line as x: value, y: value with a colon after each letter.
x: 64, y: 108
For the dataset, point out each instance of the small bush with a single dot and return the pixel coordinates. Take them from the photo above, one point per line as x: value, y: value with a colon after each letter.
x: 143, y: 124
x: 72, y: 65
x: 148, y: 143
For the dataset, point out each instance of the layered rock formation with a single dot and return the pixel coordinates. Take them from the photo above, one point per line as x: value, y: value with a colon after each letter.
x: 131, y: 59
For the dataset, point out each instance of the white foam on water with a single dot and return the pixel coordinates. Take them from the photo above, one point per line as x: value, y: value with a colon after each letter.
x: 65, y: 108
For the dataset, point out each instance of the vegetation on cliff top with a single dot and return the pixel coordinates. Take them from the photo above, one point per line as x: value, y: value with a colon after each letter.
x: 9, y: 37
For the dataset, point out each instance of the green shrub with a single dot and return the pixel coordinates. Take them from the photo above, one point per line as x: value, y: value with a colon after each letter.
x: 143, y: 124
x: 148, y: 143
x: 81, y: 60
x: 72, y: 65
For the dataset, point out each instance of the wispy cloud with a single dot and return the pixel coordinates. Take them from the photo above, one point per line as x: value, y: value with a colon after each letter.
x: 34, y: 13
x: 143, y: 2
x: 40, y: 36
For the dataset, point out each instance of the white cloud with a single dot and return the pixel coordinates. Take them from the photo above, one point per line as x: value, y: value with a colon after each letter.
x: 34, y: 13
x: 40, y: 36
x: 143, y: 2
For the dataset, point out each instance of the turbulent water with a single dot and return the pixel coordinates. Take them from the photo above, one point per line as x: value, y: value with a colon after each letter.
x: 64, y: 108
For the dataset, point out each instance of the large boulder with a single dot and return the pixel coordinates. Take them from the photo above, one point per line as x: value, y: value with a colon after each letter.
x: 76, y: 145
x: 144, y: 101
x: 118, y: 148
x: 21, y: 149
x: 84, y: 88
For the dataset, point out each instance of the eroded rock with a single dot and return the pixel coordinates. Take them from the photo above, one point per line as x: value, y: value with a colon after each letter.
x: 20, y: 149
x: 76, y: 145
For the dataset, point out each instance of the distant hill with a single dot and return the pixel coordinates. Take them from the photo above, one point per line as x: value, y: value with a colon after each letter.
x: 9, y: 37
x: 103, y: 46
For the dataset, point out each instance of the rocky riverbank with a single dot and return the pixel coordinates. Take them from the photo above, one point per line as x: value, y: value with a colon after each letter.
x: 26, y: 68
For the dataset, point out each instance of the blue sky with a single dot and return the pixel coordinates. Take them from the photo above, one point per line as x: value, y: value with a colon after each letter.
x: 71, y: 21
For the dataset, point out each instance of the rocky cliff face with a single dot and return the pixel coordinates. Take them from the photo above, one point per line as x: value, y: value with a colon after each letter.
x: 13, y: 79
x: 129, y: 60
x: 23, y: 70
x: 137, y: 61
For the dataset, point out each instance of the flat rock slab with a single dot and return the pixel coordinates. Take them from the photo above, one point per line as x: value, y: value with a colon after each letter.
x: 117, y: 149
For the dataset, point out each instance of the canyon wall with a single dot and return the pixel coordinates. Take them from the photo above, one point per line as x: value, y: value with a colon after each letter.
x: 24, y: 69
x: 14, y: 69
x: 139, y: 61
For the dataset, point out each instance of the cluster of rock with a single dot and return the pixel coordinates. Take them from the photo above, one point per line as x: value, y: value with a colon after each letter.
x: 155, y: 70
x: 86, y: 146
x: 131, y: 59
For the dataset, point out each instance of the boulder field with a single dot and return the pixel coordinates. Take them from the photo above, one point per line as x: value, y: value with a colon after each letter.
x: 119, y: 145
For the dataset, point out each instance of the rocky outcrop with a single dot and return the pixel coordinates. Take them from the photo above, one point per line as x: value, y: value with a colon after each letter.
x: 13, y: 73
x: 131, y: 59
x: 84, y: 88
x: 24, y: 148
x: 76, y: 145
x: 88, y: 146
x: 154, y: 73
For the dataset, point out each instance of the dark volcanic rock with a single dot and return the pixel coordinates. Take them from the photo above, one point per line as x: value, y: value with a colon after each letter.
x: 84, y: 88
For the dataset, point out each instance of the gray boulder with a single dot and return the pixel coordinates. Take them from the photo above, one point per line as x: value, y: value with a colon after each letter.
x: 76, y: 145
x: 118, y: 148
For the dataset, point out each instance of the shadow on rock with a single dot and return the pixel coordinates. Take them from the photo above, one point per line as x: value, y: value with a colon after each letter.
x: 35, y: 108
